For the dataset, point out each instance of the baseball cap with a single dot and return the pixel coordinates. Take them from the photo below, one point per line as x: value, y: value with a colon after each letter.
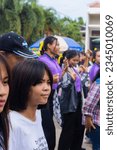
x: 14, y: 43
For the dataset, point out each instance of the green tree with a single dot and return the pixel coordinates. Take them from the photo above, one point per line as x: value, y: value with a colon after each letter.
x: 38, y: 30
x: 9, y: 15
x: 13, y: 20
x: 33, y: 21
x: 51, y: 21
x: 28, y: 21
x: 14, y: 5
x: 2, y: 2
x: 80, y: 21
x: 4, y: 24
x: 71, y: 28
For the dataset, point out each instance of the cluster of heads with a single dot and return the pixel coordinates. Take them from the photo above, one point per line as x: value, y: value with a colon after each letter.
x: 16, y: 57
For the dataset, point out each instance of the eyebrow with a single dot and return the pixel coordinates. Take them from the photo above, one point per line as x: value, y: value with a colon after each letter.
x: 6, y: 77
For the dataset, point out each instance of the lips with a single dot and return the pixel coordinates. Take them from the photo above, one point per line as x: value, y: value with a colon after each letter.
x: 45, y: 95
x: 2, y: 103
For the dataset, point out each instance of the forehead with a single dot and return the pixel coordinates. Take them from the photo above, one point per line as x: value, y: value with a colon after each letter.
x: 54, y: 41
x: 45, y: 76
x: 3, y: 71
x: 98, y: 53
x: 82, y: 54
x: 75, y: 57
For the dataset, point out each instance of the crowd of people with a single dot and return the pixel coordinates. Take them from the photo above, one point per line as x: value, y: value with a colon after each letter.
x: 27, y: 86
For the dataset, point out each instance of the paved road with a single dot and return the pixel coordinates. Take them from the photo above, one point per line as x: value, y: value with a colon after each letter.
x: 58, y: 131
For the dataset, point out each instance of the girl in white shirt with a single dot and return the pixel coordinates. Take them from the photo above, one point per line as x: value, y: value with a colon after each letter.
x: 31, y: 86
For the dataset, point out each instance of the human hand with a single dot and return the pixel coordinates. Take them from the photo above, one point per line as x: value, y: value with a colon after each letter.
x: 82, y: 69
x: 66, y: 64
x: 56, y: 78
x: 89, y: 123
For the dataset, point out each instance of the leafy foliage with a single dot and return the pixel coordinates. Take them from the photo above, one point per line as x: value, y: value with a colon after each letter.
x: 38, y: 30
x: 4, y: 26
x: 28, y: 21
x: 34, y: 21
x: 13, y: 21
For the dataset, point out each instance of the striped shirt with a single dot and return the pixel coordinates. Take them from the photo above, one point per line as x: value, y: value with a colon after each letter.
x: 1, y: 141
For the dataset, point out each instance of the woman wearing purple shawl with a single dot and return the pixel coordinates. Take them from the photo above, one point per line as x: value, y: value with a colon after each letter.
x: 96, y: 66
x: 71, y: 104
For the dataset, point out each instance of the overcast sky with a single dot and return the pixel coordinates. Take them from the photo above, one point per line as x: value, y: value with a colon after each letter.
x: 70, y: 8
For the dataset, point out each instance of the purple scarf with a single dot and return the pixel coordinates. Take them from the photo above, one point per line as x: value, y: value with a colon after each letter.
x: 77, y: 81
x: 93, y: 71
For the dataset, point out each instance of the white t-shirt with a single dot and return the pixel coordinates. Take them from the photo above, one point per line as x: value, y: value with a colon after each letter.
x: 26, y: 134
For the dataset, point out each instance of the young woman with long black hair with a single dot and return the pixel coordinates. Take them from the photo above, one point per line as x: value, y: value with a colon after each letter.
x: 4, y: 92
x: 31, y: 87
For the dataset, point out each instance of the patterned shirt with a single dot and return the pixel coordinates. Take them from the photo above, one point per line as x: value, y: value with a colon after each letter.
x: 1, y: 141
x: 92, y: 104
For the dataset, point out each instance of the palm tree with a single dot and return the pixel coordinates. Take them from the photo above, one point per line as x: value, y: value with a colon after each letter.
x: 51, y: 21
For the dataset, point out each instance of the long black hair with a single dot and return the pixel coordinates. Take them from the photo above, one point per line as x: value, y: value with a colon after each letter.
x: 71, y: 54
x: 94, y: 54
x: 26, y: 74
x: 4, y: 123
x: 48, y: 40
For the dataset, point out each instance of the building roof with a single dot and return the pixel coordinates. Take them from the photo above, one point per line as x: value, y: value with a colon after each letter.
x: 95, y: 4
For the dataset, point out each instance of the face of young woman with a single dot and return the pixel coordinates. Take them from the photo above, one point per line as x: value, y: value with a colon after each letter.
x: 54, y: 47
x: 82, y: 57
x: 39, y: 93
x: 4, y: 87
x: 97, y: 58
x: 74, y: 61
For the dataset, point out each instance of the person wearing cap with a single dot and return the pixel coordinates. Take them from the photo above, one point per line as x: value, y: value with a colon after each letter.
x: 15, y: 48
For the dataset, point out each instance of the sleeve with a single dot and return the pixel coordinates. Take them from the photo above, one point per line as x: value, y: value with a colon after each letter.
x: 92, y: 99
x: 14, y: 139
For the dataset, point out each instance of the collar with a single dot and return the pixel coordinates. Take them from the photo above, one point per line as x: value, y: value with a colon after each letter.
x: 52, y: 58
x: 97, y: 64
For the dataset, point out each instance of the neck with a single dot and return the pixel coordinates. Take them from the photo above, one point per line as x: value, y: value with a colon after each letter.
x: 97, y: 63
x: 29, y: 113
x: 50, y: 54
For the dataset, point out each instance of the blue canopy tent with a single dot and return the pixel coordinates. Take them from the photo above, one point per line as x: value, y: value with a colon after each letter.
x: 65, y: 44
x: 72, y: 44
x: 36, y: 44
